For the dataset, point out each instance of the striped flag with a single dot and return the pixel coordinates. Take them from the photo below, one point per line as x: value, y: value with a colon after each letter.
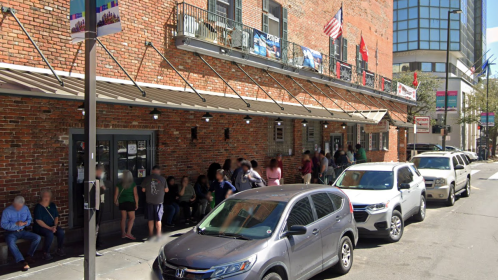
x: 333, y: 28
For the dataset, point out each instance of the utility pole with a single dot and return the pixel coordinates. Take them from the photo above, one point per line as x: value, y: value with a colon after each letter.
x: 487, y: 112
x: 90, y: 138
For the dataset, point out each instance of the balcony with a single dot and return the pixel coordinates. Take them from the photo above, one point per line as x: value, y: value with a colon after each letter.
x: 204, y: 32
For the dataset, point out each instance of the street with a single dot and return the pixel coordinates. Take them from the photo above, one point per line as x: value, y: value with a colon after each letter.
x: 458, y: 242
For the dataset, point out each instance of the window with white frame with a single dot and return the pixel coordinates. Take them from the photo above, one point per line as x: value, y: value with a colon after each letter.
x: 280, y: 137
x: 385, y: 141
x: 375, y: 141
x: 274, y: 15
x: 363, y: 138
x: 224, y: 8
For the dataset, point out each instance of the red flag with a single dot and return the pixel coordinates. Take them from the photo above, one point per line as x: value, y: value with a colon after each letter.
x: 415, y: 81
x: 363, y: 50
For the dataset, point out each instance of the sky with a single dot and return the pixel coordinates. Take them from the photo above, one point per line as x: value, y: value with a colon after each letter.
x: 492, y: 33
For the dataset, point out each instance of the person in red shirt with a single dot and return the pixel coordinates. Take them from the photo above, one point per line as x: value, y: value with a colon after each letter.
x: 281, y: 166
x: 306, y: 169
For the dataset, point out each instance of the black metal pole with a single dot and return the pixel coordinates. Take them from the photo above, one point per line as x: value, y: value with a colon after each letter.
x: 288, y: 92
x: 311, y: 95
x: 90, y: 137
x: 13, y: 13
x: 487, y: 112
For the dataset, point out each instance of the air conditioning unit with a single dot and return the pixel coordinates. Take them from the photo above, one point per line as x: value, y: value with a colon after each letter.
x: 188, y: 26
x: 240, y: 39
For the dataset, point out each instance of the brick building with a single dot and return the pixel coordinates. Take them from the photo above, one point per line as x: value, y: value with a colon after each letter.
x: 343, y: 99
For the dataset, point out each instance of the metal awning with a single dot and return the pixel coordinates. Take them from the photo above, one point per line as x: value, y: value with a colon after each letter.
x: 17, y: 82
x: 378, y: 115
x: 402, y: 124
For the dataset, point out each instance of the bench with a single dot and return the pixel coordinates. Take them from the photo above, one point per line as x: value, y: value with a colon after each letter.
x: 6, y: 256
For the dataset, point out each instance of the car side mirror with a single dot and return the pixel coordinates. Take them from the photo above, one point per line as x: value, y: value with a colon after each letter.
x: 404, y: 186
x: 296, y: 230
x: 459, y: 167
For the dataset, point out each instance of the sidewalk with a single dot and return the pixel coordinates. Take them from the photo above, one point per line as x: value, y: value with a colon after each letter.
x: 122, y: 259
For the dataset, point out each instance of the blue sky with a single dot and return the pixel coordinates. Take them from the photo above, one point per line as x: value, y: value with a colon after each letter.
x: 492, y: 32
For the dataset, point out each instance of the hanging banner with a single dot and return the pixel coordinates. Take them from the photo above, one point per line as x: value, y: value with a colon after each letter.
x: 344, y: 71
x: 386, y: 84
x: 108, y: 19
x: 490, y: 119
x: 311, y: 59
x: 452, y: 101
x: 423, y: 124
x: 407, y: 92
x: 266, y: 45
x: 368, y: 79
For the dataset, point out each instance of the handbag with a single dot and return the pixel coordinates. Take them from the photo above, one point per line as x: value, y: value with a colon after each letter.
x: 117, y: 198
x: 49, y: 214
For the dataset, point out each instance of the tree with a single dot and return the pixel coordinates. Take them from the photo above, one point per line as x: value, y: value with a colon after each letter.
x: 426, y: 93
x: 476, y: 104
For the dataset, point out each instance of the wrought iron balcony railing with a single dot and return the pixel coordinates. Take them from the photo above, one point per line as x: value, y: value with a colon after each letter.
x: 194, y: 22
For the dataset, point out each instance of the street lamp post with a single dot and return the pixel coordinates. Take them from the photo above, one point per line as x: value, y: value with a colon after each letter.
x: 447, y: 77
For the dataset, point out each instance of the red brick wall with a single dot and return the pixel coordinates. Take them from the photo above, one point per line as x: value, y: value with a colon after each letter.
x: 48, y: 23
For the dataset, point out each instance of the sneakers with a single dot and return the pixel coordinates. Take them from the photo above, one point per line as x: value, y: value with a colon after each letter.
x: 47, y: 256
x: 61, y: 252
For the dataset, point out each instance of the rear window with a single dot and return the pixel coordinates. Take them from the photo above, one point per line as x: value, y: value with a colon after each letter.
x: 323, y: 204
x: 441, y: 163
x: 366, y: 180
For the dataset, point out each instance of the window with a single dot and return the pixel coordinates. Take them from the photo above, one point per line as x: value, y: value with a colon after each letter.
x: 363, y: 138
x: 455, y: 161
x: 385, y: 141
x: 351, y: 135
x: 426, y: 67
x: 375, y: 141
x: 323, y: 205
x: 311, y: 133
x: 301, y: 214
x: 415, y: 170
x: 460, y: 160
x: 466, y: 159
x: 404, y: 176
x: 280, y: 137
x: 224, y: 8
x: 337, y: 200
x: 279, y: 134
x: 440, y: 67
x: 274, y: 14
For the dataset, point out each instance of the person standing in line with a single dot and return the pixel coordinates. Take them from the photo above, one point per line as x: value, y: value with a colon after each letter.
x: 337, y: 153
x: 99, y: 174
x: 201, y: 192
x: 316, y: 167
x: 227, y: 167
x: 306, y: 169
x: 324, y: 166
x: 343, y: 163
x: 126, y: 198
x: 237, y: 170
x: 154, y: 187
x: 171, y: 201
x: 211, y: 172
x: 187, y: 199
x: 47, y: 224
x: 222, y: 188
x: 273, y: 173
x: 361, y: 154
x: 350, y: 153
x: 281, y: 166
x: 247, y: 178
x: 15, y: 218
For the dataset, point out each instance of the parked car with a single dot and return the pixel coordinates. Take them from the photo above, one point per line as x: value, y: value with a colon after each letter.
x: 269, y: 233
x: 421, y: 148
x: 470, y: 155
x: 384, y: 195
x: 446, y: 174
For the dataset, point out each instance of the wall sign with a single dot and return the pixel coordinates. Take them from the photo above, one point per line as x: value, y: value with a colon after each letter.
x: 423, y: 124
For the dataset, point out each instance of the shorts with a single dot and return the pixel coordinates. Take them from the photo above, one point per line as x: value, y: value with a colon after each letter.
x: 127, y: 206
x: 154, y: 212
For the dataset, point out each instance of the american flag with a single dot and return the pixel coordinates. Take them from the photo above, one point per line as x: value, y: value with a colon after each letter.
x: 334, y: 27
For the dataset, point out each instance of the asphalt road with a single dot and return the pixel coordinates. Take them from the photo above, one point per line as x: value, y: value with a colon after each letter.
x: 459, y: 242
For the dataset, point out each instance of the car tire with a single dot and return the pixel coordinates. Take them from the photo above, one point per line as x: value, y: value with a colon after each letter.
x: 466, y: 193
x: 420, y: 216
x: 345, y: 254
x: 272, y: 276
x: 451, y: 196
x: 396, y: 227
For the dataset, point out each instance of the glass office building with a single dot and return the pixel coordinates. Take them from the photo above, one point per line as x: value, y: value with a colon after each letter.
x: 423, y: 25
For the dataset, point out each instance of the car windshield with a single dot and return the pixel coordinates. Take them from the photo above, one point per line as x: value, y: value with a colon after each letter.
x: 366, y: 180
x: 243, y: 218
x: 441, y: 163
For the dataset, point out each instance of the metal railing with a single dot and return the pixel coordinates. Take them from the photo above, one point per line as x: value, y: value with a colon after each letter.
x: 207, y: 26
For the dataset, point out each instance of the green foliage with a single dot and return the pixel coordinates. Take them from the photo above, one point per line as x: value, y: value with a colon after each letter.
x: 476, y: 103
x: 426, y: 93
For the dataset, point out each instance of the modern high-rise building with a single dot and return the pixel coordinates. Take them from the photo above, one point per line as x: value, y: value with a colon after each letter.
x: 420, y: 34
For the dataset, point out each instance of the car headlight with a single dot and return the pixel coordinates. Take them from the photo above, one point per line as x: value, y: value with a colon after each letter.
x: 378, y: 206
x: 161, y: 256
x: 440, y: 182
x: 233, y: 268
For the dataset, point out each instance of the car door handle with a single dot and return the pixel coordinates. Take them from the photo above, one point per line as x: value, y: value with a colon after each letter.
x: 316, y: 231
x: 338, y: 218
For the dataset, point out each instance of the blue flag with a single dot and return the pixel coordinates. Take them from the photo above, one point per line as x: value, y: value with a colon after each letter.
x: 484, y: 69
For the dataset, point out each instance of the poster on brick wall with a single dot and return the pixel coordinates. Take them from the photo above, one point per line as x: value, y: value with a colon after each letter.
x: 108, y: 19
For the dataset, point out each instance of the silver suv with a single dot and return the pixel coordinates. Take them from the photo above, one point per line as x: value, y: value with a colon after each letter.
x: 384, y: 195
x: 446, y: 174
x: 271, y: 233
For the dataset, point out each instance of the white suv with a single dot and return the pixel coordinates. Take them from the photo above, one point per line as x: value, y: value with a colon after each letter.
x: 446, y: 174
x: 384, y: 195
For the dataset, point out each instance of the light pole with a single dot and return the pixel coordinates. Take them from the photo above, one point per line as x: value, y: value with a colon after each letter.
x: 447, y: 77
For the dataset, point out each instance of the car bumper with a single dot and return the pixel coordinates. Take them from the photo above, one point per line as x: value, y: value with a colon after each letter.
x: 376, y: 225
x: 438, y: 193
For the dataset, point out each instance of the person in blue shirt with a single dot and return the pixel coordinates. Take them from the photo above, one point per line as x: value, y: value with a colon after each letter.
x: 15, y: 218
x: 222, y: 189
x: 47, y: 224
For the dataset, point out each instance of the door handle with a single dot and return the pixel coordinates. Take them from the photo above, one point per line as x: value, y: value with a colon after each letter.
x: 316, y: 231
x: 338, y: 218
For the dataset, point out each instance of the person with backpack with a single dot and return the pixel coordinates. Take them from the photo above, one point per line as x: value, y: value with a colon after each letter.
x: 247, y: 178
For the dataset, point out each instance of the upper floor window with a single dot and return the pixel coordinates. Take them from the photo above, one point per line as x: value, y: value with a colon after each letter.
x: 274, y: 19
x: 224, y: 8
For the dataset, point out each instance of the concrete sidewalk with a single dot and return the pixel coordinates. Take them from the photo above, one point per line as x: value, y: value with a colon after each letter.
x: 122, y: 259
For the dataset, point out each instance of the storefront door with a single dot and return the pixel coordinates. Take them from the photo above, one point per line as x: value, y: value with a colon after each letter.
x: 336, y: 140
x: 116, y: 153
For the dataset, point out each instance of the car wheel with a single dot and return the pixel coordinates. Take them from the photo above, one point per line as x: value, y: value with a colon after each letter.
x: 345, y: 256
x: 451, y: 196
x: 466, y: 193
x: 420, y: 216
x: 396, y: 227
x: 272, y: 276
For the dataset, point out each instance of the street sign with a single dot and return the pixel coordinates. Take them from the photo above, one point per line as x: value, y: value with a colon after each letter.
x: 489, y: 117
x: 423, y: 124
